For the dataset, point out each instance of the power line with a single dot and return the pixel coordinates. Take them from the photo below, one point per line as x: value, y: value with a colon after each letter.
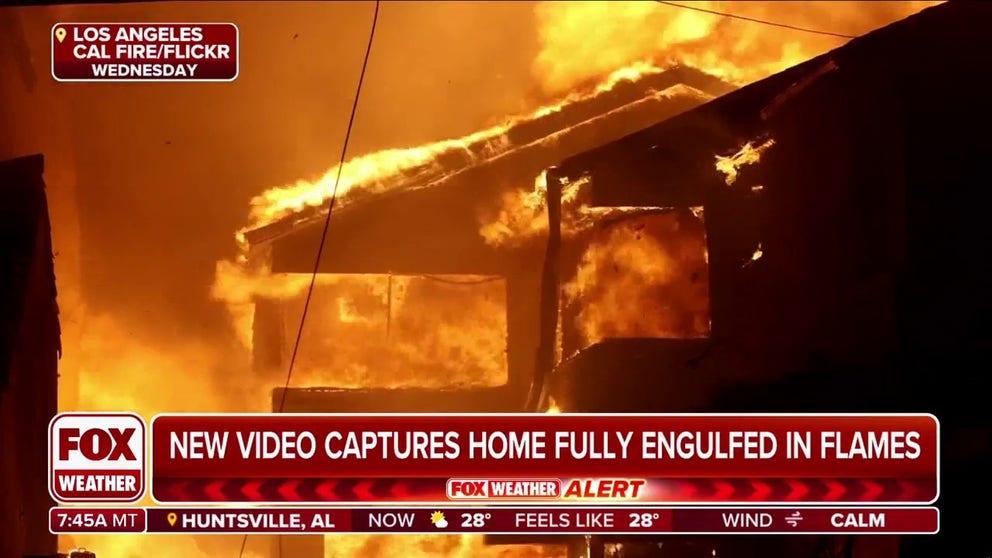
x: 327, y: 223
x: 476, y: 281
x: 330, y: 207
x: 756, y: 20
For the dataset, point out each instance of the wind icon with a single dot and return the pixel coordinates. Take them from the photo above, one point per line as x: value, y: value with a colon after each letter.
x: 437, y: 518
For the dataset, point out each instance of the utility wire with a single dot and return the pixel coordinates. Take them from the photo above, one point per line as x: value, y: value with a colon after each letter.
x: 327, y: 223
x: 756, y: 20
x: 330, y: 208
x: 476, y: 281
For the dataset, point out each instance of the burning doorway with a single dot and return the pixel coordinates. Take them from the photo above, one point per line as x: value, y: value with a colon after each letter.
x: 644, y: 276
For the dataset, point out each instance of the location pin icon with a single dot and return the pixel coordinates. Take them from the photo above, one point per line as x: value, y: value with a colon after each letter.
x: 60, y: 34
x: 171, y: 518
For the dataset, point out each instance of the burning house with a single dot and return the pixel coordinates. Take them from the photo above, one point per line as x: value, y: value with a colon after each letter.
x: 437, y: 265
x: 447, y: 244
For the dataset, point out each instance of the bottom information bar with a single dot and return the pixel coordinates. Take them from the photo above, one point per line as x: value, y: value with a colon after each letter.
x: 498, y: 520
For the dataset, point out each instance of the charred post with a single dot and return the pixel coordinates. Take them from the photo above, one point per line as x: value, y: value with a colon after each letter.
x: 29, y: 352
x: 550, y: 287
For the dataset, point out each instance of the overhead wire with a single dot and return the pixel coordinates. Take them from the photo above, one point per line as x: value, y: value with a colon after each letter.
x: 755, y: 20
x: 473, y: 281
x: 330, y: 207
x: 327, y: 222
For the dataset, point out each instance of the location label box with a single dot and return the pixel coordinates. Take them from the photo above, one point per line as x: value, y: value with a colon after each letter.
x: 145, y: 52
x: 97, y: 457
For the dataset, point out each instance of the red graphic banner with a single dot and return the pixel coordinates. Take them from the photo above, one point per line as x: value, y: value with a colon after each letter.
x: 548, y: 520
x: 667, y: 491
x: 565, y: 458
x: 145, y: 51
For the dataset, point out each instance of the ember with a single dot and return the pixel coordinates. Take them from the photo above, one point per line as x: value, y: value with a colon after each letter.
x: 749, y: 154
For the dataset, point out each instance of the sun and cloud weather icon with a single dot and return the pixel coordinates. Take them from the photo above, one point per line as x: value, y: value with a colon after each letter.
x: 794, y: 519
x: 437, y: 518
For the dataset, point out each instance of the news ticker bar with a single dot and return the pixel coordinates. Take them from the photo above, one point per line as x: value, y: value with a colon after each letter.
x: 496, y: 521
x: 561, y: 491
x: 509, y: 459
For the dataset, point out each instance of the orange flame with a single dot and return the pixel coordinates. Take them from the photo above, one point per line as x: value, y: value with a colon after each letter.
x: 644, y: 277
x: 748, y: 154
x: 378, y: 331
x: 582, y: 40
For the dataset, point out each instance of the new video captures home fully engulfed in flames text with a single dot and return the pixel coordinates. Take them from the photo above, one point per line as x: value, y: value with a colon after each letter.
x: 501, y: 207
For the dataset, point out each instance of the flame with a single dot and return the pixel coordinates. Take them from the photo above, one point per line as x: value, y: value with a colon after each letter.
x: 373, y: 173
x: 246, y: 280
x: 582, y: 40
x: 758, y: 253
x: 553, y: 408
x: 748, y: 154
x: 114, y: 370
x: 393, y: 169
x: 522, y: 216
x: 379, y: 331
x: 645, y: 277
x: 626, y: 273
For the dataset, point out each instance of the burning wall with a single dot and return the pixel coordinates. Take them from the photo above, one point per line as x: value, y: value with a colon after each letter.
x: 645, y: 276
x: 430, y: 331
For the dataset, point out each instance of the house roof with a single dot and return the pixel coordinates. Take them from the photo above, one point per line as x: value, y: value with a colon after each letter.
x: 681, y: 149
x: 615, y: 107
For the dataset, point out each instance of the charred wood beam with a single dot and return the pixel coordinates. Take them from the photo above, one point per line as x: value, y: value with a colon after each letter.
x: 596, y: 547
x: 550, y: 286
